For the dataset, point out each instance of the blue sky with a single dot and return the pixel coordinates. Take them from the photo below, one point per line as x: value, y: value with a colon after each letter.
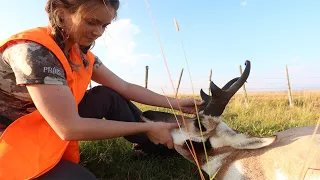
x: 218, y: 35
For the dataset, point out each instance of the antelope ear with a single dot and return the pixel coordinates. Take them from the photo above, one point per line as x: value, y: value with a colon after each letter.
x: 241, y: 141
x: 228, y: 137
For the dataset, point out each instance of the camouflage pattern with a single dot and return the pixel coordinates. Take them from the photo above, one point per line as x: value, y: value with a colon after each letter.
x: 26, y: 63
x: 97, y: 62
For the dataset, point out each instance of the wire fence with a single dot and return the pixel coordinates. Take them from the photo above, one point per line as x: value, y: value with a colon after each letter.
x: 286, y: 87
x: 252, y: 86
x: 291, y: 88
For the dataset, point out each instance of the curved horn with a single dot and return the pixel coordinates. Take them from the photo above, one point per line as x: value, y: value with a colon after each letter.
x: 232, y: 81
x: 221, y: 97
x: 237, y: 85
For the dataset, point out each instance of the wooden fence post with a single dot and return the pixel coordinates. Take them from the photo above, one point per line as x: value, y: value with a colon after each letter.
x: 146, y: 77
x: 179, y: 82
x: 289, y: 87
x: 244, y: 89
x: 210, y: 76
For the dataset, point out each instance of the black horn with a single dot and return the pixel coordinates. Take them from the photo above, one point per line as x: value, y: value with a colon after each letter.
x: 232, y: 81
x: 220, y: 97
x: 207, y: 98
x: 238, y: 84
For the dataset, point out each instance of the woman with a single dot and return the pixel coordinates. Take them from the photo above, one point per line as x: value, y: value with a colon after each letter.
x: 45, y: 108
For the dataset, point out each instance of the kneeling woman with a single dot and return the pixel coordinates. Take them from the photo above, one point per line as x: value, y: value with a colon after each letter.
x: 44, y: 103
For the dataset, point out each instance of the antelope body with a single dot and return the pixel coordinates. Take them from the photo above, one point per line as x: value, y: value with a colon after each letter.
x: 238, y: 156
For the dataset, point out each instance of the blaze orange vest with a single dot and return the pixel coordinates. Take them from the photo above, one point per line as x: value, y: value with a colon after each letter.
x: 29, y: 147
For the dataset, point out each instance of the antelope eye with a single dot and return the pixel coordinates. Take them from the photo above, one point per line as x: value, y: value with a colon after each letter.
x: 196, y: 124
x: 198, y: 146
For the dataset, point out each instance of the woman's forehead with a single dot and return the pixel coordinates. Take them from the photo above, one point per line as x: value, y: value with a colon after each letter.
x: 99, y: 11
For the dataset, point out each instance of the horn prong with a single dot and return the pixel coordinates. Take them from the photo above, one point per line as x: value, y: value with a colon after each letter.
x: 215, y: 90
x: 204, y: 96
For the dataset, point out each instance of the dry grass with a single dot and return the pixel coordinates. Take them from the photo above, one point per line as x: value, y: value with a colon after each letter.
x: 266, y: 114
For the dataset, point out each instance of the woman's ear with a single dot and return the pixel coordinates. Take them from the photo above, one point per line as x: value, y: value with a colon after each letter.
x: 59, y: 17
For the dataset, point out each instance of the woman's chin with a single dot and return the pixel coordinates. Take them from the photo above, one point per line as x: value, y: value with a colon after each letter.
x: 86, y: 42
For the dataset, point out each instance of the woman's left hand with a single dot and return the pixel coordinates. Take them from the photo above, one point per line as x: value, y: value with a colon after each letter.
x: 188, y: 105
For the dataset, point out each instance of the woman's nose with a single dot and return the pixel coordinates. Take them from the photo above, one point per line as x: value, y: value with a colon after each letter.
x: 98, y: 31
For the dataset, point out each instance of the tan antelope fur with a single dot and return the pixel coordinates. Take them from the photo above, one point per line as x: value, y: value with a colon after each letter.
x: 239, y: 156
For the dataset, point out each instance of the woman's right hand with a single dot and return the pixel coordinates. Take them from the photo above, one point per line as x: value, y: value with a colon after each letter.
x: 160, y: 133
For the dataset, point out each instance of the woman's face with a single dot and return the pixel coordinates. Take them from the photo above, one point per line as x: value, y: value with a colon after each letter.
x: 91, y: 24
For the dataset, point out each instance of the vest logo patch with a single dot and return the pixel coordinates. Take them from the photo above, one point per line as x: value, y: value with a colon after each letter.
x: 53, y: 70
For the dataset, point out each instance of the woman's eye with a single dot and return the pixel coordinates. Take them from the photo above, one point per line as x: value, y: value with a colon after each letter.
x: 91, y: 22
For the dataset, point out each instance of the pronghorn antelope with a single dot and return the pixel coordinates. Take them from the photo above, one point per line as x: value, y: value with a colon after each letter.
x: 238, y: 156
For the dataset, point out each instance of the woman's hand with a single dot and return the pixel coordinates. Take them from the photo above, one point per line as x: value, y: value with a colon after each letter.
x: 160, y: 133
x: 188, y: 105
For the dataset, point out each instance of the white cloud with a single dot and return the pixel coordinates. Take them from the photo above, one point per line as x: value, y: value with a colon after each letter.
x: 244, y: 3
x: 120, y: 44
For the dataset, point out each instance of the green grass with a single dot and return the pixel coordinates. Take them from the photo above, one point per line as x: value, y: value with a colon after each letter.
x: 266, y: 114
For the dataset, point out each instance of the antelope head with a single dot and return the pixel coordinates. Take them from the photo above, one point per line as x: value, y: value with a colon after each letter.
x: 210, y: 133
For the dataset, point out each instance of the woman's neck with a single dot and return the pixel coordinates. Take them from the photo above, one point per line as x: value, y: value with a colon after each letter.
x: 67, y: 46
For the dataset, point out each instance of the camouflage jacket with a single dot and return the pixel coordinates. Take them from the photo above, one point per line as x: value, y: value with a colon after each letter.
x: 21, y: 64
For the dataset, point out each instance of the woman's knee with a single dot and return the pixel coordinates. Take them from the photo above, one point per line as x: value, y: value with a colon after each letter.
x: 102, y: 96
x: 104, y: 91
x: 100, y: 101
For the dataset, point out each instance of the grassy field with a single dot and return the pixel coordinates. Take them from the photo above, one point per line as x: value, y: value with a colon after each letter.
x: 265, y: 114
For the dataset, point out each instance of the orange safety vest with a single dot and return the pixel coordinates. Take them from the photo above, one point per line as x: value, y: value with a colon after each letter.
x: 29, y: 147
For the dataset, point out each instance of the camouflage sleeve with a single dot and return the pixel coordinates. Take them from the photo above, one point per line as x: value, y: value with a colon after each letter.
x: 97, y: 62
x: 33, y: 63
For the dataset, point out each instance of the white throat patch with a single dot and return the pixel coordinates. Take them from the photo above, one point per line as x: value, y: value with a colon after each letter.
x: 235, y: 171
x: 214, y: 163
x: 180, y: 136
